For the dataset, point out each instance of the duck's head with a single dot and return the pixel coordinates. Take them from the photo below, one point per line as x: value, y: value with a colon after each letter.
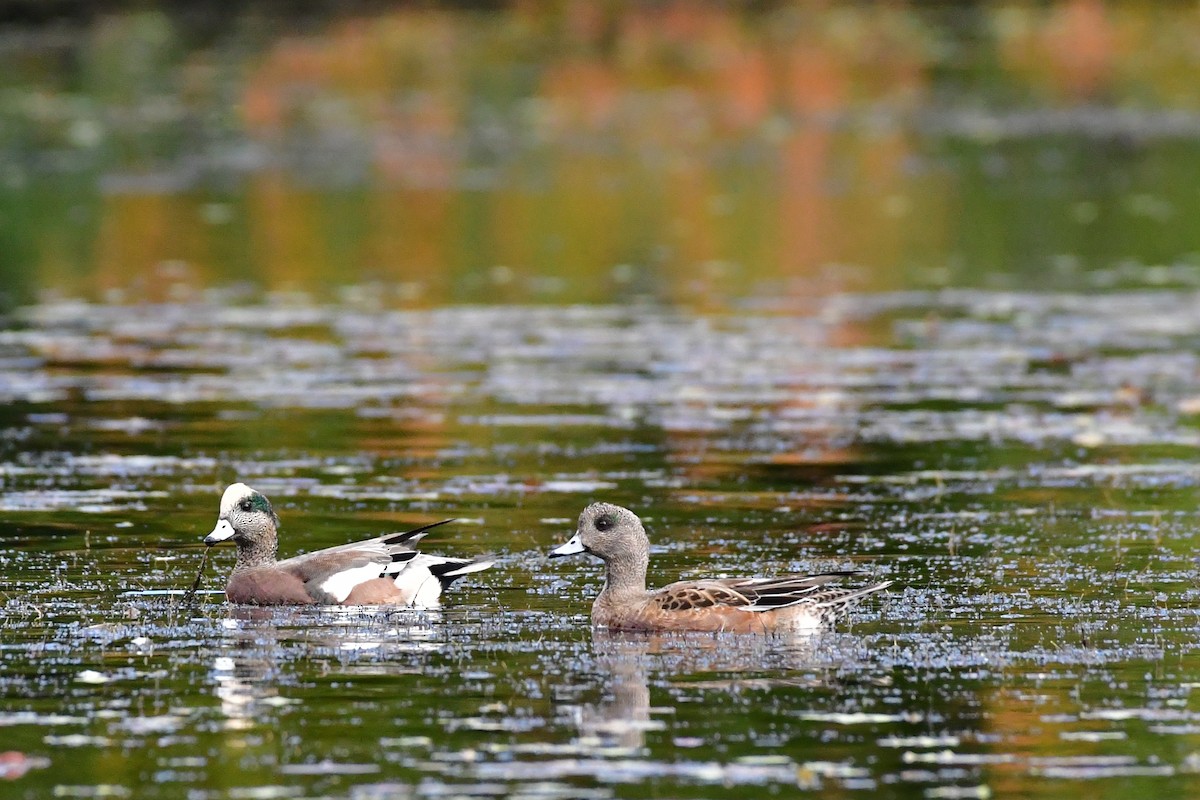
x: 606, y: 531
x: 246, y: 518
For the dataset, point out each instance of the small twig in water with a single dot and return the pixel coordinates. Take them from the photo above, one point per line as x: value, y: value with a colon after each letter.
x: 190, y: 595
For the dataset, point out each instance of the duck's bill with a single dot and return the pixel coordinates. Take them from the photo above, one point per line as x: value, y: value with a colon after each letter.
x: 570, y: 548
x: 220, y: 533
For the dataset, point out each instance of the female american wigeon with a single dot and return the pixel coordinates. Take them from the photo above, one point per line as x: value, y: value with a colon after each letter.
x: 382, y: 571
x: 788, y: 604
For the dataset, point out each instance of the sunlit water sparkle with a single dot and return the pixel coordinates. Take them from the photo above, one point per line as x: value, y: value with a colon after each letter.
x: 1034, y: 501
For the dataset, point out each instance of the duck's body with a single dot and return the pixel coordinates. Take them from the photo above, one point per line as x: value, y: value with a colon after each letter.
x: 787, y: 604
x: 386, y: 570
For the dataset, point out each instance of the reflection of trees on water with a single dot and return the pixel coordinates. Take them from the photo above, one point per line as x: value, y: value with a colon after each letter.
x: 566, y: 152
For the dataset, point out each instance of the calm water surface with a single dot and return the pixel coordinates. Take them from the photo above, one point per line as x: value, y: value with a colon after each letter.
x: 1040, y: 524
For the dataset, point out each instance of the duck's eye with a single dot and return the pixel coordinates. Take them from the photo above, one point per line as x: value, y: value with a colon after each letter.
x: 605, y: 522
x: 246, y: 505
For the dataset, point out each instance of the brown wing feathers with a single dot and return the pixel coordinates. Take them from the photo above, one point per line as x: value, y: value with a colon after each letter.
x: 699, y: 594
x: 760, y: 594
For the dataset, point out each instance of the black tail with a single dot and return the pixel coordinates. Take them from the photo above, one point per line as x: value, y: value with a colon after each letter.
x: 408, y: 537
x: 451, y: 569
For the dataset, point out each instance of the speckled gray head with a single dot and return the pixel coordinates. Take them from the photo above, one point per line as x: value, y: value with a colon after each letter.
x: 246, y: 517
x: 605, y: 530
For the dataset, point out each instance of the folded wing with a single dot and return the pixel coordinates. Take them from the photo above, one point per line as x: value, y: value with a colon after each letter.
x: 763, y: 594
x: 331, y: 575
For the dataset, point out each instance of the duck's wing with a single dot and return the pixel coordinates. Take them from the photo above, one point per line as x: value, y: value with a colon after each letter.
x: 814, y: 591
x: 760, y: 594
x: 693, y: 595
x: 330, y: 575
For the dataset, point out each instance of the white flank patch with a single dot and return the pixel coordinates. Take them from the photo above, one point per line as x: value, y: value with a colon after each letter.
x: 428, y: 594
x: 340, y: 584
x: 418, y: 586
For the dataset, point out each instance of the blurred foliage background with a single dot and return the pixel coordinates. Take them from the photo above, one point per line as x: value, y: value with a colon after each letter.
x: 579, y: 151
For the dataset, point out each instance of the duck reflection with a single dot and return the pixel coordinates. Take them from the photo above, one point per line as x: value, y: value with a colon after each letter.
x: 623, y: 717
x: 624, y: 661
x: 245, y: 673
x: 241, y: 686
x: 258, y: 641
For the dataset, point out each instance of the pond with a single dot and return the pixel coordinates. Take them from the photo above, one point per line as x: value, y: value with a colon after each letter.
x: 936, y: 318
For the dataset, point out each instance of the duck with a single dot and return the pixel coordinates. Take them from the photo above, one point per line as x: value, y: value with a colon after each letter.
x: 387, y: 570
x: 789, y: 604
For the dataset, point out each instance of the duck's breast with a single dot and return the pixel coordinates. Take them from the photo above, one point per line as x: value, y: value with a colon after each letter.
x: 267, y: 587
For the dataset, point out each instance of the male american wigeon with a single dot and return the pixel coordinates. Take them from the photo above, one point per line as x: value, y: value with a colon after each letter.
x: 382, y: 571
x: 788, y: 604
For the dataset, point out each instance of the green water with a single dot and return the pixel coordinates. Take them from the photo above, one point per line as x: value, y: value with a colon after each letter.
x: 913, y: 292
